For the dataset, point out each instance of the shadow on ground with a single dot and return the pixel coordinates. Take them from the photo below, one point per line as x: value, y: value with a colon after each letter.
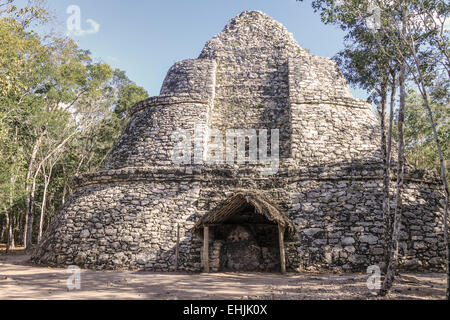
x: 20, y: 280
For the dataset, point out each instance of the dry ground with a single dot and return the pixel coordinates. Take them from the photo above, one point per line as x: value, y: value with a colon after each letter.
x: 21, y: 280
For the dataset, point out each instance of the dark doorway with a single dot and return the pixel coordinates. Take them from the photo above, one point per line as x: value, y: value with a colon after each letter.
x: 245, y: 232
x: 246, y: 241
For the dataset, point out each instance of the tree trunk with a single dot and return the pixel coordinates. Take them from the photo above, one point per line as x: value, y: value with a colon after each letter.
x: 391, y: 119
x: 421, y: 84
x: 26, y: 232
x: 393, y: 254
x: 446, y: 192
x: 387, y: 174
x: 8, y: 225
x: 9, y: 219
x: 383, y: 94
x: 11, y: 244
x: 447, y: 292
x: 4, y: 227
x: 44, y: 200
x: 17, y: 219
x: 30, y: 212
x: 9, y: 231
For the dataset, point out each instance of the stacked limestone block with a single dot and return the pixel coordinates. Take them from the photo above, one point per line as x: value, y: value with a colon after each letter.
x: 253, y: 75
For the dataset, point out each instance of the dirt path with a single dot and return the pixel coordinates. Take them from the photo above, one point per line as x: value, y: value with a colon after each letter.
x: 20, y: 280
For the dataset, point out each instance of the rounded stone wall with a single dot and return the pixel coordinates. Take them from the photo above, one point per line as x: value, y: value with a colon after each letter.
x: 253, y: 75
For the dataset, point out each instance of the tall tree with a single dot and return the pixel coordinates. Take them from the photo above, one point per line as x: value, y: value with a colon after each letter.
x: 59, y: 114
x: 422, y: 37
x: 416, y: 45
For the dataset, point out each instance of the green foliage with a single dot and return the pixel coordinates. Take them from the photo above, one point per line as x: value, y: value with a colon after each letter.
x: 34, y: 11
x: 128, y: 94
x: 56, y: 100
x: 419, y: 140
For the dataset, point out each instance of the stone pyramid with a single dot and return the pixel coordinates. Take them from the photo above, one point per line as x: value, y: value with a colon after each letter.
x: 146, y: 210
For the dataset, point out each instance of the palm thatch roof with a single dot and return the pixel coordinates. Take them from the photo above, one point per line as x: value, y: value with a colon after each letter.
x: 231, y: 206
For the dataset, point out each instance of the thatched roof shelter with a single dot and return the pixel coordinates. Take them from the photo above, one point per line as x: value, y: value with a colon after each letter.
x: 232, y: 206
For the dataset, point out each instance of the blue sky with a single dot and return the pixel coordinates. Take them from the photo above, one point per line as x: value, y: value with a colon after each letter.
x: 145, y: 38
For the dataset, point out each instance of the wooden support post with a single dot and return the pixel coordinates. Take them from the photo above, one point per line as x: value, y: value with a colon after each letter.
x: 177, y: 250
x: 282, y: 254
x: 206, y: 249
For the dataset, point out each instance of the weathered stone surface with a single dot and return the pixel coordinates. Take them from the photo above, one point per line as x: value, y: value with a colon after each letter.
x: 253, y: 75
x: 368, y: 239
x: 348, y: 241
